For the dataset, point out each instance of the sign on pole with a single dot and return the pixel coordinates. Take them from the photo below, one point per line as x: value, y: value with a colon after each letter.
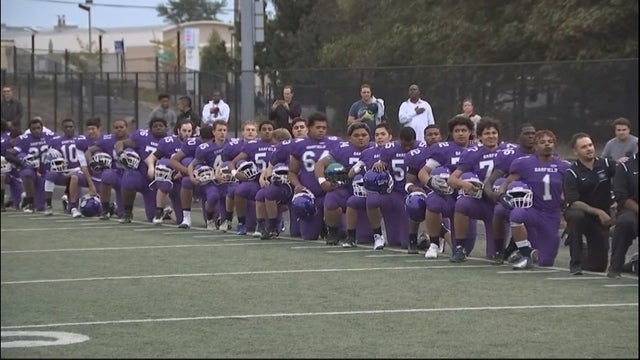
x: 119, y: 46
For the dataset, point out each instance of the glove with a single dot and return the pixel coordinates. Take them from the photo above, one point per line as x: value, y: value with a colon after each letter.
x: 438, y: 185
x: 359, y: 167
x: 368, y: 115
x: 505, y: 201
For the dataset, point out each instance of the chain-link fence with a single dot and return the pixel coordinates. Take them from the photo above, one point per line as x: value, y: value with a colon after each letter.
x: 566, y: 97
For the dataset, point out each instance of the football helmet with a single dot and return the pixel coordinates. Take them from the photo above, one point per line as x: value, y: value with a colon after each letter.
x: 162, y: 173
x: 440, y: 176
x: 380, y: 182
x: 227, y: 175
x: 416, y: 206
x: 303, y: 205
x: 204, y: 174
x: 249, y: 169
x: 100, y: 161
x: 358, y: 186
x: 521, y: 193
x: 472, y: 178
x: 5, y: 166
x: 130, y: 159
x: 336, y: 173
x: 280, y: 174
x: 30, y: 161
x: 56, y: 161
x: 90, y: 206
x: 498, y: 183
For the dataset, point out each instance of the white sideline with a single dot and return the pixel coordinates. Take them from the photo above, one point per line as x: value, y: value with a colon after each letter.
x: 136, y: 247
x: 264, y: 272
x: 330, y: 313
x: 123, y: 227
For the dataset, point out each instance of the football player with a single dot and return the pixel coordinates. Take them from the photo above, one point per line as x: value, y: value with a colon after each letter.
x: 537, y: 226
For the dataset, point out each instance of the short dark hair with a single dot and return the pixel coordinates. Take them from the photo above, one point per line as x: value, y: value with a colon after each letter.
x: 541, y: 133
x: 290, y: 87
x: 622, y: 121
x: 460, y: 120
x: 265, y: 122
x: 206, y: 131
x: 355, y: 126
x: 432, y: 126
x: 36, y: 120
x: 67, y: 120
x: 383, y: 126
x: 215, y: 124
x: 14, y: 133
x: 487, y: 123
x: 155, y: 120
x: 578, y: 136
x: 407, y: 133
x: 93, y: 122
x: 186, y: 99
x: 297, y: 120
x: 163, y: 96
x: 317, y: 117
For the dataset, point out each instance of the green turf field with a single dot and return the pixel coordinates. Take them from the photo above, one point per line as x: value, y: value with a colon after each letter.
x: 139, y: 290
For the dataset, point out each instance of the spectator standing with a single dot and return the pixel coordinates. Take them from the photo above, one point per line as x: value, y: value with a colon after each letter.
x: 468, y: 112
x: 368, y: 109
x: 163, y: 111
x: 186, y: 112
x: 215, y: 110
x: 416, y: 113
x: 12, y: 110
x: 284, y: 110
x: 587, y: 192
x: 623, y: 146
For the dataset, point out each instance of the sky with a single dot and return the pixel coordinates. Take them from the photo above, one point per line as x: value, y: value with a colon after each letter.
x: 44, y: 13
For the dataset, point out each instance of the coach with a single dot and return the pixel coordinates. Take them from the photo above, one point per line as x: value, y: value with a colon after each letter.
x: 587, y: 190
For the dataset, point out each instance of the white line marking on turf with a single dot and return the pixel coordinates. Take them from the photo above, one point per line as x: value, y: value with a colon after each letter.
x: 213, y: 235
x: 526, y: 272
x: 331, y: 313
x: 389, y: 255
x: 423, y: 260
x: 264, y: 272
x: 72, y: 228
x: 310, y: 246
x: 578, y: 278
x: 621, y: 285
x: 183, y: 232
x: 136, y: 247
x: 151, y: 228
x: 348, y: 251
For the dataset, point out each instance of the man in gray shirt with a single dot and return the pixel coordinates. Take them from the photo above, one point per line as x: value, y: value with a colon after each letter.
x: 623, y: 146
x: 368, y: 109
x: 11, y: 108
x: 163, y: 111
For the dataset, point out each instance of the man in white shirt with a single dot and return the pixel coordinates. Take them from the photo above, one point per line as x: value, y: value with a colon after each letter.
x: 216, y: 109
x: 416, y: 113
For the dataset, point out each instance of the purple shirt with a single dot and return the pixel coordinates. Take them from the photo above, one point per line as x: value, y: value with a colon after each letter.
x: 259, y: 152
x: 308, y: 152
x: 68, y: 147
x: 189, y: 146
x: 370, y: 156
x: 346, y: 154
x: 393, y: 154
x: 283, y: 151
x: 168, y: 146
x: 146, y: 144
x: 210, y: 153
x: 27, y: 143
x: 545, y: 180
x: 445, y: 154
x: 232, y: 149
x: 4, y: 144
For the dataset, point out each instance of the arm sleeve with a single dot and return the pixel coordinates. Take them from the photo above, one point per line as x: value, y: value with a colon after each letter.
x: 405, y: 113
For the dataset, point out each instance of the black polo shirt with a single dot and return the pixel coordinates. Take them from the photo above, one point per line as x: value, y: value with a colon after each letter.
x: 625, y: 184
x: 591, y: 186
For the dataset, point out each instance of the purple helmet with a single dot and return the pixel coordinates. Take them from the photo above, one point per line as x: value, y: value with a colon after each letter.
x: 100, y: 161
x: 475, y: 180
x: 416, y: 206
x: 90, y: 206
x: 204, y: 174
x: 280, y: 174
x: 441, y: 175
x: 303, y: 205
x: 380, y: 182
x: 522, y: 196
x: 56, y: 161
x: 249, y: 169
x: 30, y: 160
x: 130, y: 159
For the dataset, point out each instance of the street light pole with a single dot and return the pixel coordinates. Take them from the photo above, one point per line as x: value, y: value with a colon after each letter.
x: 87, y: 7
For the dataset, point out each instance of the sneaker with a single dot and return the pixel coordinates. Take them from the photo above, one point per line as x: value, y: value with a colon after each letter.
x: 241, y: 229
x: 264, y: 235
x: 613, y: 274
x: 166, y: 213
x: 432, y: 252
x: 423, y: 242
x: 186, y: 224
x: 575, y: 269
x: 525, y: 262
x: 515, y: 256
x: 257, y: 234
x: 157, y: 220
x: 498, y: 258
x: 48, y: 211
x: 211, y: 224
x: 225, y: 226
x: 349, y: 243
x: 28, y: 208
x: 75, y: 213
x: 126, y: 219
x: 412, y: 249
x: 378, y: 242
x: 458, y: 255
x: 218, y: 223
x: 112, y: 209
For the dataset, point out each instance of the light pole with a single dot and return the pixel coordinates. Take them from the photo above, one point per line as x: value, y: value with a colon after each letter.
x: 87, y: 7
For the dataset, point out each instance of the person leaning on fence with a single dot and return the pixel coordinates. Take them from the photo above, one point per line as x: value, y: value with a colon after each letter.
x: 625, y: 190
x: 284, y: 110
x: 368, y: 109
x: 587, y: 192
x: 163, y: 111
x: 416, y: 113
x: 215, y: 110
x: 621, y: 147
x: 12, y: 110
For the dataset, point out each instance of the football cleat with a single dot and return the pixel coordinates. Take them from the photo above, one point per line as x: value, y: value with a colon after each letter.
x: 378, y: 242
x: 524, y: 263
x: 432, y: 252
x: 458, y: 255
x: 413, y: 247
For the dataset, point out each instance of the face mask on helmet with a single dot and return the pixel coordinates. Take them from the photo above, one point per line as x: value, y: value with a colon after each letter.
x: 380, y: 182
x: 31, y: 161
x: 522, y: 196
x: 90, y: 206
x: 226, y: 173
x: 416, y: 206
x: 130, y: 159
x: 440, y: 177
x: 336, y: 173
x: 249, y: 169
x: 280, y: 174
x: 204, y: 174
x: 303, y: 205
x: 5, y: 166
x: 56, y: 161
x: 358, y: 186
x: 472, y: 178
x: 162, y: 173
x: 100, y: 161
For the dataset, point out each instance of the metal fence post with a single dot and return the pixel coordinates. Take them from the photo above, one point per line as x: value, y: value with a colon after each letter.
x: 80, y: 98
x: 55, y: 102
x: 29, y: 87
x: 108, y: 101
x: 92, y: 88
x: 136, y: 102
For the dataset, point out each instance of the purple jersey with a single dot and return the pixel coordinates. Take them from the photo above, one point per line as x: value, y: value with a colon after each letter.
x: 108, y: 145
x: 478, y: 160
x: 28, y: 144
x: 346, y: 154
x: 369, y: 156
x: 4, y: 144
x: 233, y: 147
x: 544, y: 179
x: 189, y: 146
x: 68, y: 147
x: 83, y: 142
x: 146, y: 144
x: 415, y: 160
x: 259, y: 152
x: 283, y: 151
x: 506, y: 156
x: 445, y: 154
x: 393, y: 154
x: 308, y: 152
x: 168, y: 146
x: 210, y: 153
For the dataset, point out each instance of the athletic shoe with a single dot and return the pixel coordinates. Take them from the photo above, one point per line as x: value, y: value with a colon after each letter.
x: 349, y: 243
x: 524, y: 263
x: 458, y: 255
x: 75, y: 213
x: 241, y: 229
x: 378, y: 242
x: 48, y: 211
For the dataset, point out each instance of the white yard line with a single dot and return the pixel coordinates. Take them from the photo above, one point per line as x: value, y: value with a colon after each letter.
x: 577, y: 278
x: 331, y: 313
x: 526, y: 272
x: 121, y: 227
x: 135, y: 247
x: 620, y: 285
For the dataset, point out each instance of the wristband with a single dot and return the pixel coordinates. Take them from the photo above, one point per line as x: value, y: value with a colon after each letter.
x: 406, y: 187
x: 321, y: 180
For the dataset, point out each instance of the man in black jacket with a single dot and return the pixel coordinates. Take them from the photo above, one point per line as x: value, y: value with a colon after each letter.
x: 284, y: 111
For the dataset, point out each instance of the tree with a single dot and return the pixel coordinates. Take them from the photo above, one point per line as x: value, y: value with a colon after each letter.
x: 179, y: 11
x: 214, y: 56
x: 169, y: 48
x: 85, y: 60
